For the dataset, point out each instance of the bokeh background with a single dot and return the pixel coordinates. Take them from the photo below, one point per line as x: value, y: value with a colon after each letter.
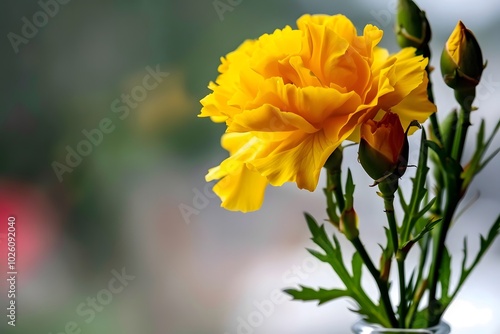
x: 137, y: 202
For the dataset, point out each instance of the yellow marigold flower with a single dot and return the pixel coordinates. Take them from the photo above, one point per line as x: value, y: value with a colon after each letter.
x: 291, y: 97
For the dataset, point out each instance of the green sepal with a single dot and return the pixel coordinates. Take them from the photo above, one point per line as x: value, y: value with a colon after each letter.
x: 376, y: 165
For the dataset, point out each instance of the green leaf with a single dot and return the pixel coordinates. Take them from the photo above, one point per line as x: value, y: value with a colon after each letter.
x: 402, y: 200
x: 484, y: 244
x: 426, y: 229
x: 418, y: 193
x: 321, y: 295
x: 449, y: 166
x: 477, y: 163
x: 357, y: 268
x: 333, y: 253
x: 441, y: 154
x: 488, y: 159
x: 317, y: 255
x: 333, y: 256
x: 349, y: 185
x: 318, y: 234
x: 444, y: 277
x: 426, y: 209
x: 389, y: 249
x: 411, y: 285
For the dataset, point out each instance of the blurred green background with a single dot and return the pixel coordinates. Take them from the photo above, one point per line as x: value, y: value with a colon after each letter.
x: 121, y: 206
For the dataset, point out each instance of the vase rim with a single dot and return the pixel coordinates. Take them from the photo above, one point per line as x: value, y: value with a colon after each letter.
x: 371, y: 328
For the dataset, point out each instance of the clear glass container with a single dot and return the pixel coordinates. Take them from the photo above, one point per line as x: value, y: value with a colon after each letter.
x: 363, y: 327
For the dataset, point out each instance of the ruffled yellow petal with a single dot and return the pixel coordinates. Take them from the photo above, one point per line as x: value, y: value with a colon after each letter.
x: 314, y: 104
x: 402, y: 73
x: 323, y: 49
x: 416, y: 106
x: 268, y: 118
x: 300, y: 163
x: 242, y: 190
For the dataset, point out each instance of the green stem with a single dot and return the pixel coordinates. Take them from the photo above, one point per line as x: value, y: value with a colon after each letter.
x: 382, y: 285
x: 336, y: 183
x: 454, y: 192
x: 334, y: 188
x: 465, y: 99
x: 421, y: 287
x: 400, y: 258
x: 453, y: 198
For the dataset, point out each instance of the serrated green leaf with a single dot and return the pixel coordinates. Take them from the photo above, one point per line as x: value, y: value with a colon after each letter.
x: 425, y: 209
x: 444, y: 277
x: 321, y: 295
x: 426, y: 229
x: 333, y: 256
x: 485, y: 243
x: 357, y: 268
x: 333, y: 252
x: 319, y: 234
x: 477, y: 163
x: 317, y: 255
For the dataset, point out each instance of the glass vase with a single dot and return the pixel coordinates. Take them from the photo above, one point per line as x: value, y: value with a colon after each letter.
x: 363, y: 327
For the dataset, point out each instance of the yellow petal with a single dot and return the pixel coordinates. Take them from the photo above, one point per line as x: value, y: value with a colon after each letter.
x: 268, y: 118
x: 314, y: 104
x: 455, y: 42
x: 299, y: 161
x: 242, y: 190
x: 324, y: 47
x: 404, y: 73
x: 415, y: 106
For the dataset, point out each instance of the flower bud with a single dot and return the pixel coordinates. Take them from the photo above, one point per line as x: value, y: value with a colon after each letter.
x: 349, y: 223
x: 412, y: 27
x: 462, y: 59
x: 383, y: 148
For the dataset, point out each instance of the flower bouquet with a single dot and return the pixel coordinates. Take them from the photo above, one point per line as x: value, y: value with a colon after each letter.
x: 295, y: 99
